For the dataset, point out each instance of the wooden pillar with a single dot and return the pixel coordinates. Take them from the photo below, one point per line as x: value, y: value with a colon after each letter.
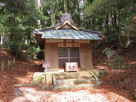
x: 91, y: 56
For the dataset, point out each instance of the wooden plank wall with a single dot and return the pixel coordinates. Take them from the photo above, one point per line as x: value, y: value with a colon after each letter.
x: 51, y: 54
x: 85, y: 56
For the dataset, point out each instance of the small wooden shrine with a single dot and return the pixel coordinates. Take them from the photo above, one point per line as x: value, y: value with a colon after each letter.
x: 65, y: 42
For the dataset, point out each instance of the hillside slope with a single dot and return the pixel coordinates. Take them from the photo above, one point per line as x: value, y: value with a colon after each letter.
x: 118, y: 84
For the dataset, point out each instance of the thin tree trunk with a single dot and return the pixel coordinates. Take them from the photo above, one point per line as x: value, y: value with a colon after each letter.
x: 65, y: 6
x: 53, y: 12
x: 1, y: 39
x: 93, y: 23
x: 89, y: 23
x: 115, y: 28
x: 128, y: 40
x: 13, y: 47
x: 115, y: 21
x: 78, y: 9
x: 99, y: 24
x: 107, y: 23
x: 112, y: 22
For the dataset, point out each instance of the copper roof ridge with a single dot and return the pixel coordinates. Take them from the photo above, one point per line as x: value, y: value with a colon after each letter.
x: 66, y: 19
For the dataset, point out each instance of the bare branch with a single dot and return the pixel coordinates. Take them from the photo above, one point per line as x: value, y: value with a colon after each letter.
x: 2, y: 9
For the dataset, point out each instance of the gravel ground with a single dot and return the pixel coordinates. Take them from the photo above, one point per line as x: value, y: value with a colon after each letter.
x: 32, y: 95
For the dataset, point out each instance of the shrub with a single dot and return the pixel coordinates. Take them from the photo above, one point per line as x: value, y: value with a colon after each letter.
x: 6, y: 44
x: 109, y: 52
x: 32, y: 51
x: 0, y: 45
x: 116, y: 62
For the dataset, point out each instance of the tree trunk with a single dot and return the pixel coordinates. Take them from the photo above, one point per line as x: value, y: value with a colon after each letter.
x: 112, y: 22
x: 115, y: 21
x: 115, y: 27
x: 78, y: 9
x: 53, y: 11
x: 65, y: 6
x: 1, y: 39
x: 107, y: 23
x: 128, y: 40
x: 93, y: 23
x: 13, y: 46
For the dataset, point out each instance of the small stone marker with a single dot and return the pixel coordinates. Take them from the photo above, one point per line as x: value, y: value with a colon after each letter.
x: 2, y: 67
x: 46, y: 65
x: 14, y: 61
x: 9, y: 64
x: 135, y: 94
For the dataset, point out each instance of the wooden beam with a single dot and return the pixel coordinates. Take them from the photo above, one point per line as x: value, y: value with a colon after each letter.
x: 66, y: 41
x: 68, y: 45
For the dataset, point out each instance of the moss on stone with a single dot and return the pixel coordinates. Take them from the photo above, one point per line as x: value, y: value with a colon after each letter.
x: 38, y: 78
x: 99, y: 73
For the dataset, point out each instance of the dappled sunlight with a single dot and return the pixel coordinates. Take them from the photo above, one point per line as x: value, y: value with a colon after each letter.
x: 133, y: 62
x: 111, y: 96
x: 100, y: 67
x: 22, y: 80
x: 19, y: 99
x: 114, y: 96
x: 38, y: 61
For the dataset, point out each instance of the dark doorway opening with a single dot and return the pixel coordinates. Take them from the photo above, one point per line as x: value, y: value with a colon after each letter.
x: 68, y: 54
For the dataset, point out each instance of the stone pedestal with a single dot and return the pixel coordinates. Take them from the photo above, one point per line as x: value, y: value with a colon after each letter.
x: 135, y: 94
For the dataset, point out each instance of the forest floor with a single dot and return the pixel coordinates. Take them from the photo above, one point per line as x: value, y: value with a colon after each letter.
x: 118, y: 85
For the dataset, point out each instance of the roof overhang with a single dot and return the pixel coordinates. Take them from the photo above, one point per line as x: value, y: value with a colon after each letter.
x: 39, y: 40
x: 75, y: 35
x: 68, y: 34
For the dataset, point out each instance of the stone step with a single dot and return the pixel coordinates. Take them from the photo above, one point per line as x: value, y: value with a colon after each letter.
x: 22, y: 85
x: 69, y: 75
x: 77, y: 86
x: 74, y: 81
x: 73, y: 76
x: 79, y: 73
x: 55, y: 70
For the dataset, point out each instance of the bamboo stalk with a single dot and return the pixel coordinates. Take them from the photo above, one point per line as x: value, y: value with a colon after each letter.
x: 9, y: 64
x: 14, y: 61
x: 2, y: 67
